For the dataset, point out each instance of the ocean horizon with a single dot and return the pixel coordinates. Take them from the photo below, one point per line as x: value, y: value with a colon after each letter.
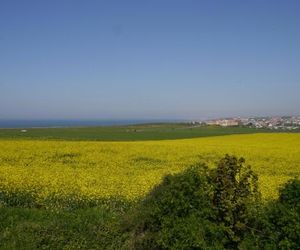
x: 45, y: 123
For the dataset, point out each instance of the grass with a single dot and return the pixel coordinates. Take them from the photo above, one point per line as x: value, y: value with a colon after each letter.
x: 126, y: 133
x: 28, y: 229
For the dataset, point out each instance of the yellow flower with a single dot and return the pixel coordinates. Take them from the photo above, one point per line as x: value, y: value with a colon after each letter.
x: 93, y: 170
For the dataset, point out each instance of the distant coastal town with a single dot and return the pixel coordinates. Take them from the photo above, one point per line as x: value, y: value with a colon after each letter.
x: 274, y: 123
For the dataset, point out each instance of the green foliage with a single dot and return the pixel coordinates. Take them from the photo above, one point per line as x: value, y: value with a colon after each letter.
x: 197, y: 209
x: 277, y: 224
x: 235, y: 190
x: 283, y: 226
x: 175, y: 214
x: 290, y: 193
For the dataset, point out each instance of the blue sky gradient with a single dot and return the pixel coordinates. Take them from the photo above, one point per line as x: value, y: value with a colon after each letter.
x: 160, y: 59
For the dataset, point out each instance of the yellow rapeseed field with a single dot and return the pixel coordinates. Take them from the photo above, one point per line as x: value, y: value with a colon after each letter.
x: 93, y: 170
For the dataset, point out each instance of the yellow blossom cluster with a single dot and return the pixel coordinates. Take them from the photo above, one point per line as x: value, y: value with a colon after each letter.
x: 94, y: 170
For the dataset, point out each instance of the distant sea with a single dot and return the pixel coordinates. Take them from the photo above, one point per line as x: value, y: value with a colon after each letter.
x: 72, y: 123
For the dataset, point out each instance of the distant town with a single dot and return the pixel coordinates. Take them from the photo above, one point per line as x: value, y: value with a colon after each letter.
x: 274, y: 123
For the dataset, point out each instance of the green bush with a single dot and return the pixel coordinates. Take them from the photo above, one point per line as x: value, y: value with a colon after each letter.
x: 285, y: 216
x: 196, y: 209
x: 172, y: 211
x: 277, y: 224
x: 235, y: 192
x: 289, y: 194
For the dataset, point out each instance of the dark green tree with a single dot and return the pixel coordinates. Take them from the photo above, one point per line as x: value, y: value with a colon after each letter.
x: 235, y: 191
x: 196, y: 209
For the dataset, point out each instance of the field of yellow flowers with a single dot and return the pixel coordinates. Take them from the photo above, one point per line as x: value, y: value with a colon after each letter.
x: 86, y: 170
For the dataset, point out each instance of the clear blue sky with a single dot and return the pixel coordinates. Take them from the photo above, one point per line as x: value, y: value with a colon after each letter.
x: 148, y: 59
